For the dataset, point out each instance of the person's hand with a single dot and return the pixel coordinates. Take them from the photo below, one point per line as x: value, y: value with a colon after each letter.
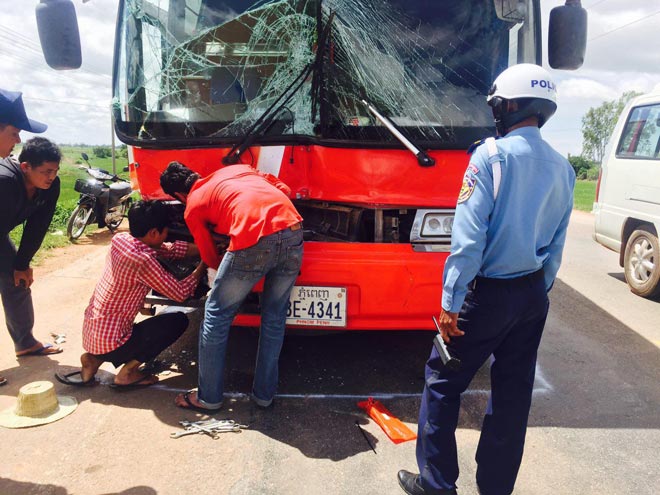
x: 191, y: 250
x: 23, y: 278
x: 210, y: 276
x: 448, y: 326
x: 221, y: 247
x: 200, y: 270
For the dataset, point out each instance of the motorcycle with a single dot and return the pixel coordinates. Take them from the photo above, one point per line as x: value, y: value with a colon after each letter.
x: 105, y: 198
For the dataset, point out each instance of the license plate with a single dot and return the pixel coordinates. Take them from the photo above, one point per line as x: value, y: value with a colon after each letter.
x: 317, y: 306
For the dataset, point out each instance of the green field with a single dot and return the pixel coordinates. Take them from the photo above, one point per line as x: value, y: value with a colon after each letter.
x: 69, y: 172
x: 584, y: 195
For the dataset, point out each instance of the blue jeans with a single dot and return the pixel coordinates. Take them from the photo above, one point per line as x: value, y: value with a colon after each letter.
x: 277, y: 257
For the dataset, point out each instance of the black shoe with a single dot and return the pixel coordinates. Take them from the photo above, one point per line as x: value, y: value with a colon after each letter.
x: 410, y: 483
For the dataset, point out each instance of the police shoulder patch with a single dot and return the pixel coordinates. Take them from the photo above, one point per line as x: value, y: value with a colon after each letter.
x: 469, y: 183
x: 475, y: 145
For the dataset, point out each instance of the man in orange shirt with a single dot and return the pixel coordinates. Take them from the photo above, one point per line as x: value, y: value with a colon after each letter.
x: 266, y: 240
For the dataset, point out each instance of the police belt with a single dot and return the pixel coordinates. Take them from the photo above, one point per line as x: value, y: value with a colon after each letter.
x: 524, y: 281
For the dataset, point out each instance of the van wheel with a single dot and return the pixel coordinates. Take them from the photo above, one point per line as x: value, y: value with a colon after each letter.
x: 642, y: 263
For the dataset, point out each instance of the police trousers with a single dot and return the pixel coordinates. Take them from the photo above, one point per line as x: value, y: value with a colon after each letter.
x: 502, y: 319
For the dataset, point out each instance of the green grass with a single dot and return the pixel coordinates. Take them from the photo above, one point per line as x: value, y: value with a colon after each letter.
x: 69, y: 172
x: 584, y: 195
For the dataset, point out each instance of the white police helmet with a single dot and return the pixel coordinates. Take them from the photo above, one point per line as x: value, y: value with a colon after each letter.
x: 533, y: 89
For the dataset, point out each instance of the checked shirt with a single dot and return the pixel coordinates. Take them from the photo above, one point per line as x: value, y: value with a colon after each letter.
x: 131, y: 270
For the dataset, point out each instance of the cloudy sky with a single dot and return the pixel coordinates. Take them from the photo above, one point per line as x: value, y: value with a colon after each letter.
x: 623, y: 53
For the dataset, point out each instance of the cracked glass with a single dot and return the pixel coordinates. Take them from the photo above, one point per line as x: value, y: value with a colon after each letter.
x: 196, y: 72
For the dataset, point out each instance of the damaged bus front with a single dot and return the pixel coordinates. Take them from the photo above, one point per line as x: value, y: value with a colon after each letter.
x: 305, y: 89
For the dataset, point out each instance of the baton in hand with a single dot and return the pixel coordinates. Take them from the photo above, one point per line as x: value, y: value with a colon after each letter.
x: 451, y: 363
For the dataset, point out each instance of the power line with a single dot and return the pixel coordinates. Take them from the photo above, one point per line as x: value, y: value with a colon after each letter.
x: 594, y: 4
x: 36, y: 67
x: 10, y: 42
x: 35, y: 62
x: 16, y: 34
x: 27, y: 45
x: 62, y: 102
x: 625, y: 25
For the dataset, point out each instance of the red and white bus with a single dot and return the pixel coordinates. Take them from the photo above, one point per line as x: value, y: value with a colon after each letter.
x: 365, y: 108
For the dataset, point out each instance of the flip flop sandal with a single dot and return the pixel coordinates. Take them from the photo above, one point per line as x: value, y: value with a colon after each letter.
x: 66, y: 379
x: 3, y: 381
x: 193, y: 407
x: 42, y: 351
x: 154, y: 367
x: 134, y: 385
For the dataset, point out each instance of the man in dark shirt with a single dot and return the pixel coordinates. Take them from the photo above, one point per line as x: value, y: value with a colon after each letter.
x: 29, y: 188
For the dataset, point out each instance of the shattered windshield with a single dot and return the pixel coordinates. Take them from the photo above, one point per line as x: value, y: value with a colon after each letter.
x: 203, y: 71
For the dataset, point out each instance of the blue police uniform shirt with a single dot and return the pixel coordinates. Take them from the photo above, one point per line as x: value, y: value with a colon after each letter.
x: 521, y: 230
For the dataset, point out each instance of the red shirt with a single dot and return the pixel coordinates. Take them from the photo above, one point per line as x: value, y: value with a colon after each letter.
x: 240, y: 202
x: 131, y: 270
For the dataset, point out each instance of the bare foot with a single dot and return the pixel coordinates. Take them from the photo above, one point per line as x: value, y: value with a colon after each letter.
x: 90, y: 365
x: 181, y: 401
x: 134, y: 377
x: 189, y: 400
x: 39, y: 349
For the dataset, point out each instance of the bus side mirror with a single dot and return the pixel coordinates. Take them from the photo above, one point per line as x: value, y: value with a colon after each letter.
x: 510, y: 10
x: 567, y: 36
x: 58, y: 33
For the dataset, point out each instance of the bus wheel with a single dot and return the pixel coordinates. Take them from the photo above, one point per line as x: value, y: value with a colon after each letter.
x: 642, y: 262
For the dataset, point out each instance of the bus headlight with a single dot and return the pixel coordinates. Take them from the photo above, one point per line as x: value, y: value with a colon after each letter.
x: 437, y: 224
x: 432, y: 226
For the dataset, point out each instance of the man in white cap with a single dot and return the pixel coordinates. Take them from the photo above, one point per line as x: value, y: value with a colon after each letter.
x: 29, y: 189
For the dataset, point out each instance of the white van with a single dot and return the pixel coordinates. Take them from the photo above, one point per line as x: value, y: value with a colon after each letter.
x: 627, y: 206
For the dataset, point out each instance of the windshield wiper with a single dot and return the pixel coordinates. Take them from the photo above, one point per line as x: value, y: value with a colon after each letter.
x: 422, y: 157
x: 266, y: 120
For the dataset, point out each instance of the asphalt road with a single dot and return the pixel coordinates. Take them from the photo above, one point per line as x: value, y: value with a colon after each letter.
x: 594, y: 426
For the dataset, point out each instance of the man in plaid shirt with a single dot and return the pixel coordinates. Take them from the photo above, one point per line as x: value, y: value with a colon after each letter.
x: 131, y: 270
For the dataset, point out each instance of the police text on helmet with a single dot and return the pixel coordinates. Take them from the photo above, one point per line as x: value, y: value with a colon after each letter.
x: 544, y: 84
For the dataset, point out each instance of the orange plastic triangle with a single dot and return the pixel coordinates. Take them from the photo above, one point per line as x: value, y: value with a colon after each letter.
x: 391, y: 425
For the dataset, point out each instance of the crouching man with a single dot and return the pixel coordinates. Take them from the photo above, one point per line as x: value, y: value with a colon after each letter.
x: 131, y: 270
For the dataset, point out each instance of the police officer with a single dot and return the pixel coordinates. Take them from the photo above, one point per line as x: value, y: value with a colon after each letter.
x: 507, y: 240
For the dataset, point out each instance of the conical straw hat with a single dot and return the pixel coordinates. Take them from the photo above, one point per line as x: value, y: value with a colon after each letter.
x: 36, y: 405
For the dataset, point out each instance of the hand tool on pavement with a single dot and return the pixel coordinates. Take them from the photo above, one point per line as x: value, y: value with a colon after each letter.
x: 192, y: 431
x: 215, y: 425
x: 452, y: 363
x: 210, y: 427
